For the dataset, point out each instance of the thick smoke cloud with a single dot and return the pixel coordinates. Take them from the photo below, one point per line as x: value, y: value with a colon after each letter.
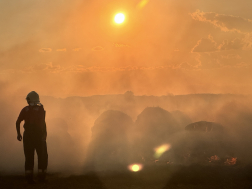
x: 237, y: 117
x: 112, y: 131
x: 73, y: 49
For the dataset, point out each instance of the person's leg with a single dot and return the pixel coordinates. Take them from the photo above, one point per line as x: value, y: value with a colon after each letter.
x: 29, y: 157
x: 41, y: 149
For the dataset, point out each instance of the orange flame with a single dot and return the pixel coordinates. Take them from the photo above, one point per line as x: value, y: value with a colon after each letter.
x: 214, y: 158
x: 231, y: 161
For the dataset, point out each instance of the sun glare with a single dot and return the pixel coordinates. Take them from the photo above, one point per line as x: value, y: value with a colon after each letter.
x: 161, y: 149
x: 135, y: 167
x: 119, y: 18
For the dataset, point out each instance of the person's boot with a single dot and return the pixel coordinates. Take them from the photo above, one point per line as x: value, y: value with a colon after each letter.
x: 42, y: 175
x: 29, y: 176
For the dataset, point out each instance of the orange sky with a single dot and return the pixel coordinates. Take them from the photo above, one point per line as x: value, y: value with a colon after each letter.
x: 65, y: 48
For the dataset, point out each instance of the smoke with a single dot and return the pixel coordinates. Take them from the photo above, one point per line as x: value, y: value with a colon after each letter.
x: 71, y: 47
x: 236, y: 116
x: 108, y: 132
x: 111, y: 141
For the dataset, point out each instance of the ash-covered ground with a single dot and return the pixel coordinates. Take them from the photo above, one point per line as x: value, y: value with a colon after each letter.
x: 151, y: 177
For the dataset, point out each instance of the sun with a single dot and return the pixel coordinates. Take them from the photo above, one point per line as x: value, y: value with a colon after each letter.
x: 119, y: 18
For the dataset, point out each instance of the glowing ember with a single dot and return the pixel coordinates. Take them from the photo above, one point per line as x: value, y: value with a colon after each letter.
x: 135, y: 167
x: 231, y: 161
x: 161, y: 149
x: 214, y: 158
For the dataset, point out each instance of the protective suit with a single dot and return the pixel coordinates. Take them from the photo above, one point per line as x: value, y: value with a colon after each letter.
x: 34, y: 137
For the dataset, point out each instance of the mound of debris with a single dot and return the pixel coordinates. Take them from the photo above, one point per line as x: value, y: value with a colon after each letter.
x: 110, y: 139
x: 206, y: 142
x: 153, y: 127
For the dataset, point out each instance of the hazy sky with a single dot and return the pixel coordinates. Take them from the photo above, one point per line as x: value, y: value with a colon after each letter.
x: 73, y: 47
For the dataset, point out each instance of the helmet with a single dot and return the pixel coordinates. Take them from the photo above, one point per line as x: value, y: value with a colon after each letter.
x: 33, y: 97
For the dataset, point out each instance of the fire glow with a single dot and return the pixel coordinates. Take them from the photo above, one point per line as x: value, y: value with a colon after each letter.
x: 214, y: 158
x: 231, y: 161
x: 135, y: 167
x: 161, y: 149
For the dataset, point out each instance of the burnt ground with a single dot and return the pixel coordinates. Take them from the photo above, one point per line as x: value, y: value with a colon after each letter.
x: 153, y: 177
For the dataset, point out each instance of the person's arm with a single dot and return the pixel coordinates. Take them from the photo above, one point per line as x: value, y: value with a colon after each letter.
x: 19, y: 136
x: 45, y: 130
x: 20, y: 118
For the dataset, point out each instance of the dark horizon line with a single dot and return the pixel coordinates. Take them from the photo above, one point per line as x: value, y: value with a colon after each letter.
x: 168, y: 95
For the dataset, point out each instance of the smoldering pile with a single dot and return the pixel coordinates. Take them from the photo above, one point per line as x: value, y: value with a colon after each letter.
x: 158, y: 137
x: 206, y: 130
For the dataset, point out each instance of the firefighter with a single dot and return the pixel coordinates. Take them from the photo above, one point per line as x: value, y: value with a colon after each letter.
x: 34, y: 137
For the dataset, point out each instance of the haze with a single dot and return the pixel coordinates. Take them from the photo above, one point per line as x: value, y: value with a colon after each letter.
x: 73, y: 48
x: 81, y: 63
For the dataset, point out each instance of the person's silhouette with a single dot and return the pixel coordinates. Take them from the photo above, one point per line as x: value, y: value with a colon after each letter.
x: 34, y: 137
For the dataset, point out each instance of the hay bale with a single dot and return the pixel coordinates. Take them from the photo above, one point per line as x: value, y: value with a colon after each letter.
x: 110, y: 139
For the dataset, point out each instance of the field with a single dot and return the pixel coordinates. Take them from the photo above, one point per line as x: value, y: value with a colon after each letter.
x: 152, y: 177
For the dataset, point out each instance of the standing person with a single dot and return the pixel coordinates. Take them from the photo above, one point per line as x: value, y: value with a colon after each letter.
x: 34, y: 137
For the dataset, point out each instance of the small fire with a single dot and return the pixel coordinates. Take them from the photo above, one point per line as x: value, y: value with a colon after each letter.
x: 214, y: 158
x: 169, y: 162
x: 231, y: 161
x: 135, y: 167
